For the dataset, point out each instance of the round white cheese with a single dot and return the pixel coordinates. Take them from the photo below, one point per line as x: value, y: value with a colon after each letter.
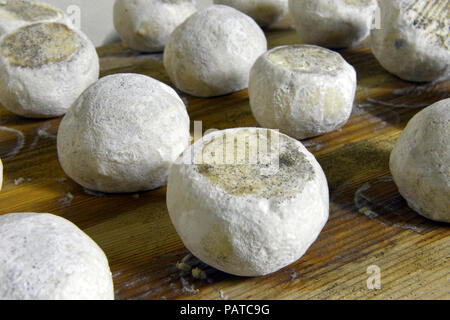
x: 44, y: 67
x: 264, y: 12
x: 247, y: 201
x: 413, y: 39
x: 302, y: 90
x: 211, y: 53
x: 333, y: 24
x: 420, y: 162
x: 145, y: 25
x: 122, y: 134
x: 45, y: 257
x: 18, y: 13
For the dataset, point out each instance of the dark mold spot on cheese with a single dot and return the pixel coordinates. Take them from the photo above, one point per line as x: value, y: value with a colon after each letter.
x: 432, y: 17
x: 287, y: 160
x: 39, y: 44
x: 399, y: 43
x: 292, y: 170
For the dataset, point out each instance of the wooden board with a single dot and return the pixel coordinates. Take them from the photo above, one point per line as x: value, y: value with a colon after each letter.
x: 370, y: 224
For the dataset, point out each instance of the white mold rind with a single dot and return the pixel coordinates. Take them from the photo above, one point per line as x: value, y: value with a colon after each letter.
x: 122, y: 134
x: 145, y: 25
x: 302, y: 90
x: 250, y: 230
x: 45, y: 257
x: 264, y: 12
x: 15, y: 14
x: 36, y: 86
x: 413, y: 40
x: 333, y: 24
x: 420, y: 162
x: 211, y: 53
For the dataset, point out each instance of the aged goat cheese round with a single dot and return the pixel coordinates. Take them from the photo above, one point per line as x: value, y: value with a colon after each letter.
x: 264, y: 12
x: 420, y: 162
x: 145, y: 25
x: 122, y: 134
x: 247, y: 201
x: 413, y: 40
x: 44, y: 67
x: 333, y: 24
x: 211, y: 53
x: 18, y: 13
x: 302, y: 90
x: 46, y: 257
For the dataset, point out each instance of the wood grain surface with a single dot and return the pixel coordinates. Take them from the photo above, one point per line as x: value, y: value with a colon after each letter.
x: 370, y: 224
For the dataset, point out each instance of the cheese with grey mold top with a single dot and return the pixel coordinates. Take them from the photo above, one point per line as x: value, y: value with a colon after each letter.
x: 44, y: 67
x: 333, y: 24
x: 123, y: 134
x: 302, y: 90
x: 145, y: 25
x: 247, y: 201
x: 264, y: 12
x: 46, y: 257
x: 413, y: 40
x: 420, y: 162
x: 18, y: 13
x: 211, y: 53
